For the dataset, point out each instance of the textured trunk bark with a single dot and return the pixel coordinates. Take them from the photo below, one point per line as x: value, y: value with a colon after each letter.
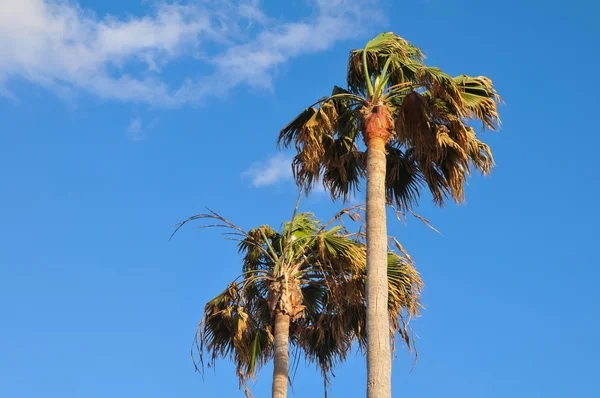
x: 280, y: 360
x: 379, y: 358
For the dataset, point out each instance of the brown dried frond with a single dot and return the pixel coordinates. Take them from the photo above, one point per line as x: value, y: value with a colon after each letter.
x: 414, y: 125
x: 479, y: 153
x: 404, y: 180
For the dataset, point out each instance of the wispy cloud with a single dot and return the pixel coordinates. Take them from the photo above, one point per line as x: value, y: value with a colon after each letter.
x: 275, y: 169
x: 134, y: 130
x: 62, y: 46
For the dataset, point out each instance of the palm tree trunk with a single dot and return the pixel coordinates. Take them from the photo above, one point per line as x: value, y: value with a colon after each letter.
x: 379, y: 358
x: 280, y: 360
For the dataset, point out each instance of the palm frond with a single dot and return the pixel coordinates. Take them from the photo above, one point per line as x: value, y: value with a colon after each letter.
x: 229, y: 328
x: 343, y: 170
x: 479, y: 153
x: 324, y: 138
x: 377, y: 52
x: 404, y: 180
x: 480, y: 99
x: 414, y: 125
x: 404, y: 291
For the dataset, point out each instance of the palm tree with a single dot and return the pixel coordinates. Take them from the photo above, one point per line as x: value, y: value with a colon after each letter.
x: 305, y: 286
x: 414, y: 120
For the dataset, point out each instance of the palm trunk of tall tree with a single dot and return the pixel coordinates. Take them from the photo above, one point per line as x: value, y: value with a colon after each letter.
x: 379, y: 358
x: 280, y: 360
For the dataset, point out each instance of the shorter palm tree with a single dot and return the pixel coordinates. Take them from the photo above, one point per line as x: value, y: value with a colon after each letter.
x: 303, y: 286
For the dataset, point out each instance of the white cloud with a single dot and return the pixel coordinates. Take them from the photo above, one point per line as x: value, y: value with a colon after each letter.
x: 275, y: 169
x: 62, y: 46
x: 134, y: 130
x: 278, y: 169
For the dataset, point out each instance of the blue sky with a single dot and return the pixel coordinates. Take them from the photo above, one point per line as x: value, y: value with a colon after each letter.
x: 121, y: 118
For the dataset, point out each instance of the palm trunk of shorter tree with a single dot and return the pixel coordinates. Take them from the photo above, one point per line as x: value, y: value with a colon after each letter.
x: 280, y: 360
x: 379, y: 359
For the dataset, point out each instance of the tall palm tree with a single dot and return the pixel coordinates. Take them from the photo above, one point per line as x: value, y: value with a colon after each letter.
x: 414, y: 120
x: 305, y: 286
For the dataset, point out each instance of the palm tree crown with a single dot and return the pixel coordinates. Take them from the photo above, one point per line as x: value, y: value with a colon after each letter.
x: 422, y: 113
x: 313, y: 273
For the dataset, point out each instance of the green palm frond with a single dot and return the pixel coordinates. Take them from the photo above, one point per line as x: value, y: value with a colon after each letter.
x: 253, y: 247
x: 405, y: 286
x: 385, y: 46
x: 481, y: 99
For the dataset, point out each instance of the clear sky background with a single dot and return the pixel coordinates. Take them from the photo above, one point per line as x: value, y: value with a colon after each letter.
x: 121, y: 118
